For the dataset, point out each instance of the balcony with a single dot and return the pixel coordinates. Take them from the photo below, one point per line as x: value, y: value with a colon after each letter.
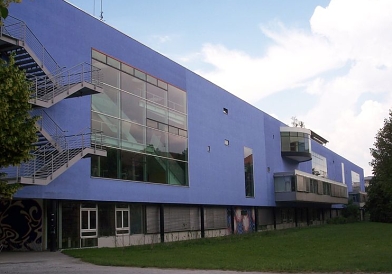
x: 295, y: 143
x: 304, y: 187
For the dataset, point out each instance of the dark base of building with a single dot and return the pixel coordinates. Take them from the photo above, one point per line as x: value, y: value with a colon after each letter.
x: 36, y: 225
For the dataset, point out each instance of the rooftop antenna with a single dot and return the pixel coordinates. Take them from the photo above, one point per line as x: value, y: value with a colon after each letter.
x: 101, y: 17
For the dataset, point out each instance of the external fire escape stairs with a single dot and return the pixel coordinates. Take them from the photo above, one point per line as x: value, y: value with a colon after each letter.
x: 54, y: 151
x: 50, y: 82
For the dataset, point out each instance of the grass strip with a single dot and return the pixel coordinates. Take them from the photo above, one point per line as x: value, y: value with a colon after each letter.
x: 356, y: 247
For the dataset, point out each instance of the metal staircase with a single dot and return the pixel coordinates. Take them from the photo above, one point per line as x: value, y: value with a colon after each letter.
x: 48, y: 131
x: 55, y: 151
x: 49, y: 162
x: 51, y: 83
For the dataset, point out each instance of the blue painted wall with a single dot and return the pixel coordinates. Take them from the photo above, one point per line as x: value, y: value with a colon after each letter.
x: 215, y: 177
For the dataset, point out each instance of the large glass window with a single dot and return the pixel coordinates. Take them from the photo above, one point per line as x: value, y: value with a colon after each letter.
x: 294, y: 141
x: 248, y: 166
x: 355, y: 181
x: 139, y: 115
x: 319, y: 165
x: 284, y: 183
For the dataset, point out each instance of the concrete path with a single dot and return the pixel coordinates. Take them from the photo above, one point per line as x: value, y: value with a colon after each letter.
x: 56, y: 262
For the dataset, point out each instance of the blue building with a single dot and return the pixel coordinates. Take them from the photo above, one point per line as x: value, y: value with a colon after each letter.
x: 135, y: 149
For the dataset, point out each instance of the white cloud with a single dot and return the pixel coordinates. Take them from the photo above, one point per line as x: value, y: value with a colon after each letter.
x: 162, y: 38
x: 345, y: 61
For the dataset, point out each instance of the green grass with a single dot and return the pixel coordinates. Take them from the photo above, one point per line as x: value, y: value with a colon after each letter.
x: 357, y: 247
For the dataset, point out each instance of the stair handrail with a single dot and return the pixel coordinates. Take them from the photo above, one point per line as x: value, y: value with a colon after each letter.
x: 47, y: 159
x: 47, y: 88
x: 18, y: 29
x: 45, y: 122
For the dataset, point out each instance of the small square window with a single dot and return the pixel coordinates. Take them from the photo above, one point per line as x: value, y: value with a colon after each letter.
x: 226, y: 142
x: 225, y: 111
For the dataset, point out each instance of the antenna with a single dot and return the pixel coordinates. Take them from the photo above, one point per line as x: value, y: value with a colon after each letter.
x: 101, y: 17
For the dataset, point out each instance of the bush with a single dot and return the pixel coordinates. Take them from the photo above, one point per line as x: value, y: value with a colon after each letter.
x: 337, y: 221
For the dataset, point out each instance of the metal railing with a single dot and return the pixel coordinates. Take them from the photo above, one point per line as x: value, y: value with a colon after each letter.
x: 17, y: 29
x: 47, y: 159
x: 46, y: 123
x: 47, y: 88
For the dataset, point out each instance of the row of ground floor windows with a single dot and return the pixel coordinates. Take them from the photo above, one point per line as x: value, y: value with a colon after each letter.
x: 40, y: 224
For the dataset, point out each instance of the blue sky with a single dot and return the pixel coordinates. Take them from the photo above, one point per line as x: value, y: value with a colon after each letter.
x: 327, y: 62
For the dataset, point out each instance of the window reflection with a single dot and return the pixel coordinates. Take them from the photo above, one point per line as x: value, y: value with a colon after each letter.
x: 133, y: 115
x: 248, y: 166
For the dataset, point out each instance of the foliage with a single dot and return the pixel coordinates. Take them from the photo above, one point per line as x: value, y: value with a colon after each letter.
x: 17, y: 128
x: 296, y: 123
x: 337, y: 220
x: 351, y: 212
x: 4, y: 7
x: 379, y: 203
x: 355, y: 247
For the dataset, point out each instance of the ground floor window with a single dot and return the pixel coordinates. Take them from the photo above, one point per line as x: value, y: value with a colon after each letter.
x: 88, y: 220
x: 122, y: 219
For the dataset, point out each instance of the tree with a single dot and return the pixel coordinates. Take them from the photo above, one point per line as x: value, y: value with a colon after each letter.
x: 379, y: 203
x: 4, y: 7
x: 296, y: 123
x: 17, y: 127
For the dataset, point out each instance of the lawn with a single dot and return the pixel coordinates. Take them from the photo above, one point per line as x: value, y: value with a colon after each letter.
x: 358, y: 247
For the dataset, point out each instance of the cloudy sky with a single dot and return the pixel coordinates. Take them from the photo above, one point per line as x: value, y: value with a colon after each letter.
x: 329, y: 63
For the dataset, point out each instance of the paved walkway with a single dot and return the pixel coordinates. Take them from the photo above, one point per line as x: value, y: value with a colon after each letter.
x: 56, y: 262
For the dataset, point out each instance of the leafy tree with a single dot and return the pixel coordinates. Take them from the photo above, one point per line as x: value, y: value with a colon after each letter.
x: 4, y: 7
x: 17, y: 128
x: 351, y: 211
x: 379, y: 203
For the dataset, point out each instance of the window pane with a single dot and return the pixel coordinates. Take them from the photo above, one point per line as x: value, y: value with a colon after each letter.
x: 177, y: 120
x: 132, y: 136
x: 156, y: 170
x: 248, y: 166
x: 133, y: 85
x: 84, y: 219
x: 106, y: 219
x: 108, y: 126
x: 152, y: 80
x: 156, y: 95
x: 107, y: 102
x: 157, y: 113
x: 111, y: 76
x: 178, y: 173
x: 99, y: 56
x: 140, y: 74
x: 93, y: 219
x: 106, y: 167
x: 127, y: 68
x: 133, y: 108
x: 136, y: 226
x: 132, y: 166
x: 125, y: 218
x: 153, y: 124
x: 119, y: 219
x: 156, y: 142
x: 177, y: 99
x: 112, y: 62
x: 178, y: 147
